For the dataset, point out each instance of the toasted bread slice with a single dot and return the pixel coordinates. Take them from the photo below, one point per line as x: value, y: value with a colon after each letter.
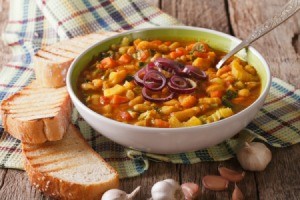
x: 51, y: 63
x: 69, y: 168
x: 36, y: 115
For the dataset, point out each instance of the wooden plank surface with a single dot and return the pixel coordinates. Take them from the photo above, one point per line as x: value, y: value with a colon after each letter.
x: 281, y: 49
x: 5, y: 52
x: 206, y: 14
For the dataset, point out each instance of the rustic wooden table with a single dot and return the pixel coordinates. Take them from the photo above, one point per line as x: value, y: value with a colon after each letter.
x: 281, y: 48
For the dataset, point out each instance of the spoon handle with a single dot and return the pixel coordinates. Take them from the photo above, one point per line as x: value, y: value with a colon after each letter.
x: 288, y: 10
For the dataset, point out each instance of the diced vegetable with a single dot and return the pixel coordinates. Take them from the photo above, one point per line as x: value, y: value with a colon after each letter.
x: 107, y: 63
x: 125, y: 59
x: 117, y: 89
x: 161, y: 123
x: 125, y: 116
x: 117, y: 77
x: 174, y: 122
x: 117, y: 99
x: 167, y: 84
x: 193, y: 121
x: 240, y: 73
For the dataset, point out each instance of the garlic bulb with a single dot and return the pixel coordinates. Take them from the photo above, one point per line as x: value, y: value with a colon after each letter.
x: 254, y: 156
x: 116, y: 194
x: 167, y: 190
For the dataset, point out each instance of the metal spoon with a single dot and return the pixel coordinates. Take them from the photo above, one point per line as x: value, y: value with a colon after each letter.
x: 288, y: 10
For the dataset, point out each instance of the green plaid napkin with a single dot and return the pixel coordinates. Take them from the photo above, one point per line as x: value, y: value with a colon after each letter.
x: 40, y: 22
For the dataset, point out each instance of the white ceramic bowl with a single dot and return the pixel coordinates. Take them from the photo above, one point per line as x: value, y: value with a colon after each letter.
x: 170, y: 140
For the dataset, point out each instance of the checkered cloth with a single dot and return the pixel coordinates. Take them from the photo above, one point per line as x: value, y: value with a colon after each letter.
x: 33, y: 24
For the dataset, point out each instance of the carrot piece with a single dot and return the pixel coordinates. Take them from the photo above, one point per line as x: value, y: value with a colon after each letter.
x: 180, y: 51
x: 125, y: 59
x: 125, y: 115
x: 224, y: 69
x: 216, y: 93
x: 189, y: 47
x: 117, y: 99
x: 144, y: 55
x: 200, y: 54
x: 168, y: 43
x: 173, y: 55
x: 107, y: 63
x: 161, y: 123
x: 104, y: 100
x: 238, y: 100
x: 156, y: 42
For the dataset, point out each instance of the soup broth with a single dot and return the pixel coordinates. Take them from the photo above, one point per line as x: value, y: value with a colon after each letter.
x: 167, y: 84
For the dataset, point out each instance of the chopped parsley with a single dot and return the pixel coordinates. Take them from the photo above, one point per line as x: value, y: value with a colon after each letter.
x: 229, y: 94
x: 141, y: 64
x: 198, y: 47
x: 129, y: 78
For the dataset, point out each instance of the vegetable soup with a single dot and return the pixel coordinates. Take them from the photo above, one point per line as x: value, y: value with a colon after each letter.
x: 167, y: 84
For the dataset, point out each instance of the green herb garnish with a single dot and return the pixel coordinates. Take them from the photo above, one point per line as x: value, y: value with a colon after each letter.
x: 198, y: 47
x: 229, y: 94
x: 141, y: 64
x: 129, y: 78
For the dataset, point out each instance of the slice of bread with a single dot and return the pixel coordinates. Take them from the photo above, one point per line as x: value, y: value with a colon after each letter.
x: 51, y: 63
x: 36, y: 115
x: 69, y: 168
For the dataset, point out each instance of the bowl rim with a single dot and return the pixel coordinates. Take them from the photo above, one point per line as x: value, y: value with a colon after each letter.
x: 236, y: 116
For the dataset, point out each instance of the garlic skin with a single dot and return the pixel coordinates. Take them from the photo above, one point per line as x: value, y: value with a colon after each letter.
x: 230, y: 174
x: 254, y: 156
x: 116, y: 194
x: 237, y: 194
x: 190, y: 190
x: 167, y: 189
x: 215, y: 183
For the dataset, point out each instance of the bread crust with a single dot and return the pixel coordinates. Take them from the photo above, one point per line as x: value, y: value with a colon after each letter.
x: 62, y: 189
x: 49, y: 73
x: 37, y: 131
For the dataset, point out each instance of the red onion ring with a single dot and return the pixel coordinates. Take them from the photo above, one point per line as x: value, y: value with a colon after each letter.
x: 168, y: 65
x: 137, y: 77
x: 154, y: 80
x: 149, y: 98
x: 194, y: 72
x: 175, y: 88
x: 179, y: 82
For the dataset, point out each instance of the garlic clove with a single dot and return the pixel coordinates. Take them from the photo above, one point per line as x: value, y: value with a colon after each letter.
x: 190, y: 190
x: 168, y: 189
x: 216, y: 183
x: 237, y: 194
x: 254, y: 156
x: 114, y: 194
x: 231, y: 175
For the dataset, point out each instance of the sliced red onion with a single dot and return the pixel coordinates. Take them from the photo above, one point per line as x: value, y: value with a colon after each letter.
x: 175, y: 88
x: 149, y: 98
x: 154, y: 80
x: 137, y: 76
x: 194, y: 72
x: 168, y: 65
x: 179, y: 82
